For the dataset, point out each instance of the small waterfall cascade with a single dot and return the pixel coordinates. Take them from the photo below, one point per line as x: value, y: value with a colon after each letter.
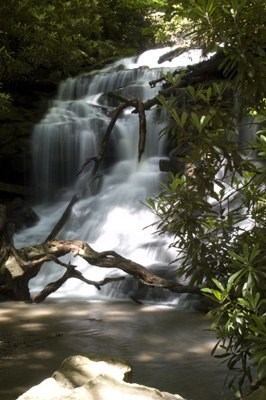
x: 110, y: 214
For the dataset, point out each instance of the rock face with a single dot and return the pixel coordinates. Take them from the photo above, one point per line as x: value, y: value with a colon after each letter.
x: 93, y: 378
x: 21, y: 214
x: 30, y: 101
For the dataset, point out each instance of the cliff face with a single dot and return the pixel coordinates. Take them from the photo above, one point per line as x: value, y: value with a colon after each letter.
x: 30, y: 101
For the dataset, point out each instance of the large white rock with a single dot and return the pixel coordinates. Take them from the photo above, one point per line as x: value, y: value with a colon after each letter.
x: 93, y: 378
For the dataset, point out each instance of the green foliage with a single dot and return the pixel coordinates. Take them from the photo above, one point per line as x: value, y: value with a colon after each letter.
x: 40, y: 37
x: 66, y: 34
x: 128, y: 22
x: 215, y: 206
x: 216, y: 212
x: 214, y: 25
x: 46, y: 35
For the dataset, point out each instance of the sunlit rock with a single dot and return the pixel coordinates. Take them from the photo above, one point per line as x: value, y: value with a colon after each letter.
x: 82, y: 378
x: 77, y: 370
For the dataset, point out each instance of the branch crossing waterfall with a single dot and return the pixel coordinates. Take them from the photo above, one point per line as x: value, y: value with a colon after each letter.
x: 110, y: 213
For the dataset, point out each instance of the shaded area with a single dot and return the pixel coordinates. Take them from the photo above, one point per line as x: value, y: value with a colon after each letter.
x: 167, y: 348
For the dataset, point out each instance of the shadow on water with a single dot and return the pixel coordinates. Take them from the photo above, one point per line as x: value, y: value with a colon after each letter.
x: 168, y: 349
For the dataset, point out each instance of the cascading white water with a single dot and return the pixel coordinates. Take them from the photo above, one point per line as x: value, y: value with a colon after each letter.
x: 110, y: 214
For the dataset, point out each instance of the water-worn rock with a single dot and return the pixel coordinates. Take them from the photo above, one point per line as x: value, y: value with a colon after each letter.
x: 83, y: 378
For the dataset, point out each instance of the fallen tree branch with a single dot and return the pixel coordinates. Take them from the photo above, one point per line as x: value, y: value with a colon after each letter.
x: 170, y: 55
x: 139, y: 108
x: 108, y: 132
x: 87, y: 162
x: 98, y: 159
x: 142, y: 129
x: 71, y: 272
x: 63, y: 219
x: 35, y: 256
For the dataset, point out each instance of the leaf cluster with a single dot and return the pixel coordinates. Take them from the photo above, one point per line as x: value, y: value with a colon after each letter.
x: 214, y: 25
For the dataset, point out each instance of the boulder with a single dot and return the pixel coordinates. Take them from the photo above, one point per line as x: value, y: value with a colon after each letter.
x: 21, y: 214
x: 90, y: 378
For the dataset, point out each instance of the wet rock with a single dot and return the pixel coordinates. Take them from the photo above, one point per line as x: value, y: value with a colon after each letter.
x: 21, y: 214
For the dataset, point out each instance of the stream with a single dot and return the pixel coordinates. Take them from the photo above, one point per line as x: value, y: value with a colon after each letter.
x: 168, y: 349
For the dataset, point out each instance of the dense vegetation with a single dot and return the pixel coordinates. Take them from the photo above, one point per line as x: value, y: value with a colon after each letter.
x: 216, y: 208
x: 38, y: 38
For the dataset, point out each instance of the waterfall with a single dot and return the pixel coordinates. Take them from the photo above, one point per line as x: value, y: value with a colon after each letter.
x: 110, y: 214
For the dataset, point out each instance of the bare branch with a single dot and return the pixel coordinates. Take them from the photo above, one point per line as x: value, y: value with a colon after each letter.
x: 87, y: 162
x: 63, y: 219
x: 108, y: 132
x: 142, y: 128
x: 71, y: 272
x: 105, y: 259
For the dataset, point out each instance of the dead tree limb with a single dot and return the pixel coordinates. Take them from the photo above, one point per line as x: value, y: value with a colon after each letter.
x: 71, y: 272
x: 34, y: 257
x: 138, y: 106
x: 63, y: 219
x: 108, y: 132
x: 142, y: 129
x: 98, y: 159
x: 87, y: 162
x: 21, y: 265
x: 170, y: 55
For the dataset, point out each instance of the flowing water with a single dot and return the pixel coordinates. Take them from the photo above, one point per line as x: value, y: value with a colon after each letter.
x: 110, y: 215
